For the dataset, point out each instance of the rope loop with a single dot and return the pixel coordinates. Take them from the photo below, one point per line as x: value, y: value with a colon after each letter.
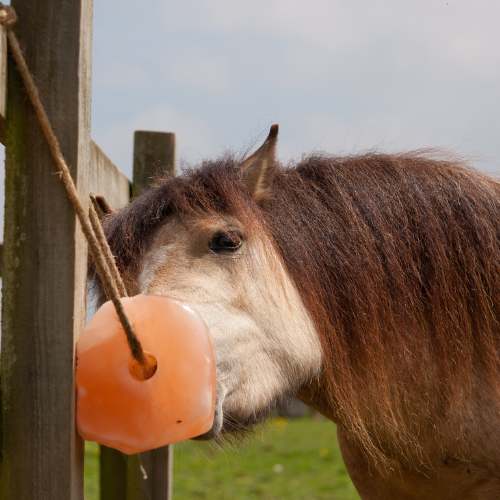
x: 98, y: 245
x: 8, y: 16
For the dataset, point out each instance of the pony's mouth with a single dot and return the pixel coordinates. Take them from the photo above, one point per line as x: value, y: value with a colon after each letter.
x: 218, y: 416
x: 226, y: 424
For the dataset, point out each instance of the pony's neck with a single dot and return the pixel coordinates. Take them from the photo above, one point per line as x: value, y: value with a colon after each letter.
x: 314, y: 394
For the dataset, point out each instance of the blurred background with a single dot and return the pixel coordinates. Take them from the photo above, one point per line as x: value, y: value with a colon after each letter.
x: 337, y: 75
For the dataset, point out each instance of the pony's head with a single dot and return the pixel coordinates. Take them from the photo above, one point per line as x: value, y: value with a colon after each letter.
x: 201, y: 238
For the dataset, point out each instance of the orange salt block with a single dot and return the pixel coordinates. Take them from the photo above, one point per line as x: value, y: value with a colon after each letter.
x: 116, y: 406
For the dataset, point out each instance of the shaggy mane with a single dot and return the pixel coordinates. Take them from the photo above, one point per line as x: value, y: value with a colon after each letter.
x: 397, y: 259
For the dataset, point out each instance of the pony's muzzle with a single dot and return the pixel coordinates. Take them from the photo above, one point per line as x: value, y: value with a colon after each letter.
x: 218, y: 416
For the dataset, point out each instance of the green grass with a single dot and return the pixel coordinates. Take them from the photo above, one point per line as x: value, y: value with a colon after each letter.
x: 91, y: 476
x: 292, y: 460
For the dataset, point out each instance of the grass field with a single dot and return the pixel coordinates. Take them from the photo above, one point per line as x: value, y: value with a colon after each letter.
x: 287, y: 460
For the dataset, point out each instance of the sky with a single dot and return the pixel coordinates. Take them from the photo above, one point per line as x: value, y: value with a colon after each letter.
x: 341, y: 76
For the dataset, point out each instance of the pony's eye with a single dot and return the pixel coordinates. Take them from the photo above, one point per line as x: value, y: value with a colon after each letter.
x: 225, y: 241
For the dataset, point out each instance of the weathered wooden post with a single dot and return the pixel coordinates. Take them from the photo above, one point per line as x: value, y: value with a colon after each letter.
x: 45, y: 255
x: 3, y: 83
x: 152, y: 151
x: 113, y: 478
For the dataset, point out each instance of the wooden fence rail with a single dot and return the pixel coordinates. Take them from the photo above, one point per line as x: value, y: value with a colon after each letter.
x: 107, y: 180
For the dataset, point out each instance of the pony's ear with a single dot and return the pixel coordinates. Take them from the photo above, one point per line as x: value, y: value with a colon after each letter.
x: 102, y: 206
x: 257, y: 171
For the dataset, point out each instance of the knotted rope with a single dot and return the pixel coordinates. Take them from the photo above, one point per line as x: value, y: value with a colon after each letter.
x: 104, y: 260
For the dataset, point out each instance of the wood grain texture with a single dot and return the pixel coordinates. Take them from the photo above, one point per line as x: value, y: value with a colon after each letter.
x: 107, y: 180
x: 158, y: 467
x: 113, y: 479
x: 153, y: 152
x: 45, y: 255
x: 3, y: 83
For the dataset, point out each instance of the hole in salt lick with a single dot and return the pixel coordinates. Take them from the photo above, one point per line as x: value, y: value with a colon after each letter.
x: 143, y: 372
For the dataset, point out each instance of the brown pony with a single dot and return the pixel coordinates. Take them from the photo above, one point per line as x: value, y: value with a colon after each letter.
x: 368, y: 285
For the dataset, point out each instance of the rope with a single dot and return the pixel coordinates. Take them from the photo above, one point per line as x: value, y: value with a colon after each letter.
x: 103, y: 242
x: 99, y: 248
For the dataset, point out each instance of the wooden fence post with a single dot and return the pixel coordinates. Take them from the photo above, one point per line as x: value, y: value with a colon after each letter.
x: 113, y: 478
x: 3, y: 83
x: 45, y: 255
x: 152, y: 151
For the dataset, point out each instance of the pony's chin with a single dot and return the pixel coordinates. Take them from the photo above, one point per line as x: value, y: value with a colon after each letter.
x: 231, y: 425
x: 218, y: 417
x: 214, y: 431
